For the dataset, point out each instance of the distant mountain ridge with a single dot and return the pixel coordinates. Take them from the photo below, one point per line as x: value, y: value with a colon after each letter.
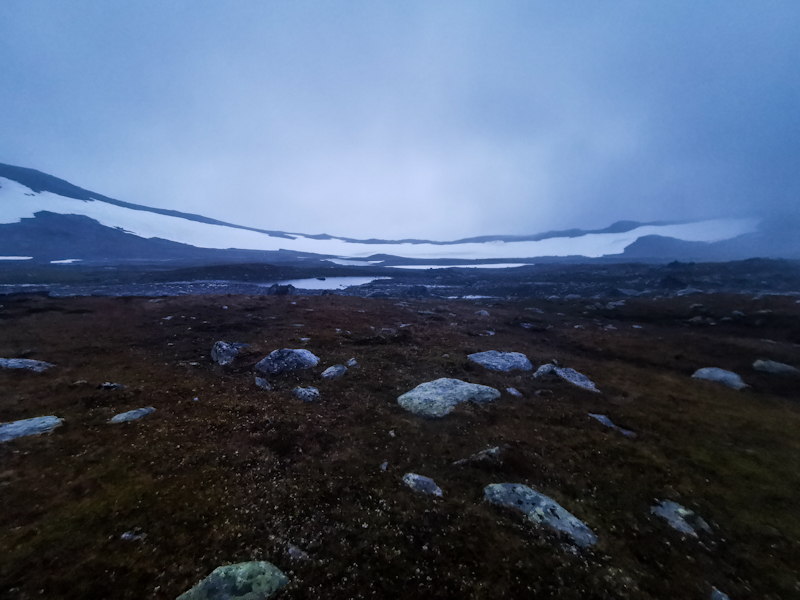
x: 51, y: 219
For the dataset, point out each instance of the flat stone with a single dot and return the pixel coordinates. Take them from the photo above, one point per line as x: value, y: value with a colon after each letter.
x: 263, y: 384
x: 680, y: 518
x: 571, y: 375
x: 438, y: 398
x: 308, y: 394
x: 334, y: 372
x: 35, y: 426
x: 608, y: 423
x: 541, y: 510
x: 25, y: 363
x: 423, y: 484
x: 223, y: 353
x: 776, y: 368
x: 132, y: 415
x: 502, y: 361
x: 243, y: 581
x: 287, y: 360
x: 722, y: 376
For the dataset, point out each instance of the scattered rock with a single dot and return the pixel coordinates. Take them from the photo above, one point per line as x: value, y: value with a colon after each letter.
x: 608, y: 423
x: 438, y: 398
x: 111, y: 386
x: 296, y: 553
x: 35, y: 426
x: 242, y: 581
x: 334, y: 372
x: 541, y: 510
x: 717, y: 595
x: 286, y: 361
x: 132, y: 415
x: 352, y: 363
x: 514, y: 392
x: 308, y: 394
x: 25, y: 363
x: 501, y: 361
x: 423, y: 484
x: 263, y: 384
x: 132, y: 536
x: 384, y: 465
x: 482, y: 313
x: 571, y: 375
x: 776, y: 368
x: 490, y: 456
x: 722, y: 376
x: 223, y: 353
x: 680, y: 518
x: 280, y: 290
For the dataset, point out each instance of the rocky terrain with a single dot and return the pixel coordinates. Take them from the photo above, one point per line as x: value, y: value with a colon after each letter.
x: 638, y: 480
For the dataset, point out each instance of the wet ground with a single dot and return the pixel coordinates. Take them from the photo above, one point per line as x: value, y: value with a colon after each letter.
x: 226, y: 472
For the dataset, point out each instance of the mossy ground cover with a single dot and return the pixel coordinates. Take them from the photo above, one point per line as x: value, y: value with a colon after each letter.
x: 241, y: 473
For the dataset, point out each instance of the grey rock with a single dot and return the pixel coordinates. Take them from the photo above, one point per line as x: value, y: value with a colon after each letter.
x: 482, y: 313
x: 541, y: 510
x: 223, y: 353
x: 502, y: 361
x: 132, y: 536
x: 608, y: 423
x: 24, y: 363
x: 111, y: 386
x: 438, y: 398
x: 35, y: 426
x: 571, y: 375
x: 514, y: 392
x: 286, y: 360
x: 296, y: 553
x: 281, y: 290
x: 334, y: 372
x: 242, y: 581
x: 680, y: 518
x: 722, y: 376
x: 352, y: 363
x: 308, y: 394
x: 132, y: 415
x: 717, y: 595
x: 490, y: 456
x: 776, y: 368
x: 423, y: 484
x: 263, y: 384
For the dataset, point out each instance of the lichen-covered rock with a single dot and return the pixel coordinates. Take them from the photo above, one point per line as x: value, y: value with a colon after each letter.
x: 308, y: 394
x: 490, y: 456
x: 35, y: 426
x: 223, y: 353
x: 502, y: 361
x: 438, y: 398
x: 680, y: 518
x: 287, y: 360
x: 544, y: 370
x: 132, y: 415
x: 255, y: 580
x: 541, y: 510
x: 334, y: 372
x: 423, y: 484
x: 775, y: 368
x: 25, y: 363
x: 722, y: 376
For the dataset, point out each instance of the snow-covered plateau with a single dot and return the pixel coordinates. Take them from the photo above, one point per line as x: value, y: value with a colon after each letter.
x: 19, y: 202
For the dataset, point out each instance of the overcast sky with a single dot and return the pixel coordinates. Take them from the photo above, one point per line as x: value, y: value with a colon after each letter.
x: 410, y: 118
